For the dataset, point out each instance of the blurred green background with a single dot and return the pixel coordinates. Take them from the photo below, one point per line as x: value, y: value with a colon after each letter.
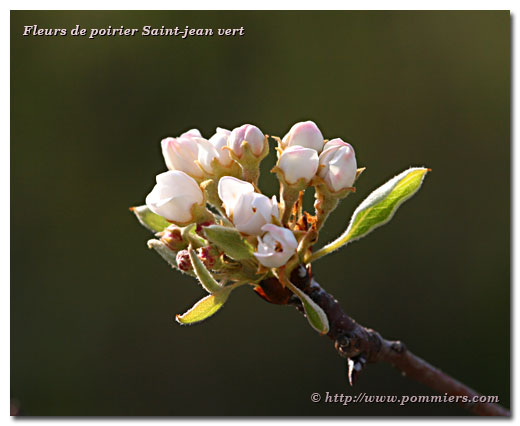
x: 92, y: 309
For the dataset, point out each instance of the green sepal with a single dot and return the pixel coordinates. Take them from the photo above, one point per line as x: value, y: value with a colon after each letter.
x: 249, y: 161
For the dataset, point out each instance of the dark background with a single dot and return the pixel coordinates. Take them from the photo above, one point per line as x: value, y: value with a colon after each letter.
x: 92, y: 329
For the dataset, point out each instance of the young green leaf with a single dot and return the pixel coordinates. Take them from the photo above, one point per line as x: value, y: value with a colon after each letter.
x: 229, y: 241
x: 315, y: 315
x: 205, y: 307
x: 165, y: 252
x: 149, y: 219
x: 206, y: 279
x: 378, y: 208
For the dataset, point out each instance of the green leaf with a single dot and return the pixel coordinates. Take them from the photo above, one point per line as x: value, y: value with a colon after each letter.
x: 149, y: 219
x: 205, y: 307
x: 315, y: 315
x: 206, y: 279
x: 378, y: 208
x: 165, y: 252
x: 229, y: 241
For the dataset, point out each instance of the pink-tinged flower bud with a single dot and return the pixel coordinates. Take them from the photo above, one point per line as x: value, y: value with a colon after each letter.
x: 305, y: 134
x: 206, y: 154
x: 219, y: 141
x: 208, y: 256
x: 276, y: 247
x: 249, y: 133
x: 172, y: 237
x: 181, y: 153
x: 297, y: 162
x: 174, y: 196
x: 208, y: 150
x: 339, y: 165
x: 247, y: 209
x: 184, y: 261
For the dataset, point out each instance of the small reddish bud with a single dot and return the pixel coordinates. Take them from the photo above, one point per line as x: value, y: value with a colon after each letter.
x: 172, y: 237
x: 208, y: 255
x: 183, y: 261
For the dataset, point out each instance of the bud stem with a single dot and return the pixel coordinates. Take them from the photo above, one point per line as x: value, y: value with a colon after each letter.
x: 288, y: 196
x: 250, y: 173
x: 324, y: 205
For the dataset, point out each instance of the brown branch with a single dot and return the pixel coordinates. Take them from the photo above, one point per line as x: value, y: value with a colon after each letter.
x: 361, y: 345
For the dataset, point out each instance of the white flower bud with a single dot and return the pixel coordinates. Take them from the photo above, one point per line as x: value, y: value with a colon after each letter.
x: 249, y: 133
x: 339, y: 166
x: 276, y: 247
x: 174, y: 196
x: 297, y: 162
x: 248, y: 210
x: 219, y: 141
x: 206, y: 153
x: 181, y: 153
x: 230, y: 189
x: 305, y: 134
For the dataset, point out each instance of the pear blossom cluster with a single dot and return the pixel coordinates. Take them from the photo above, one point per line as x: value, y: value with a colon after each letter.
x: 214, y: 181
x: 212, y: 221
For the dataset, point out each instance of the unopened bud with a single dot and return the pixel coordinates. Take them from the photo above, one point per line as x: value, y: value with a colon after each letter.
x: 305, y: 134
x: 208, y: 255
x: 180, y: 153
x: 183, y: 261
x: 172, y: 237
x: 174, y: 197
x: 338, y: 165
x: 297, y: 162
x: 219, y: 141
x: 246, y: 133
